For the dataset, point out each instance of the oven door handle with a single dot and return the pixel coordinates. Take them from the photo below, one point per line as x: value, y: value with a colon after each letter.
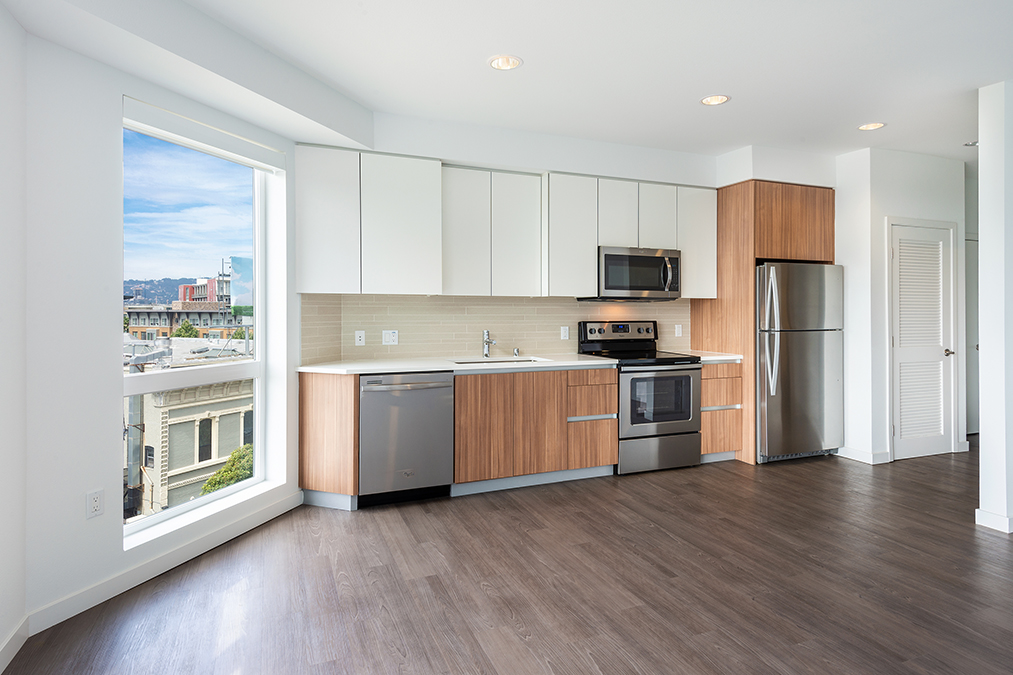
x: 651, y: 369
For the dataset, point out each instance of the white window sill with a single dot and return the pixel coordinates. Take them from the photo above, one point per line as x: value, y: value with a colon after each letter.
x: 138, y: 534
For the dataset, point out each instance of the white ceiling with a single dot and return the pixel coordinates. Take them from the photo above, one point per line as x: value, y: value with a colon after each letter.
x: 802, y: 74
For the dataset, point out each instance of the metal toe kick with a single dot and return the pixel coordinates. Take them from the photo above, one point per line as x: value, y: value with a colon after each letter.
x: 660, y: 452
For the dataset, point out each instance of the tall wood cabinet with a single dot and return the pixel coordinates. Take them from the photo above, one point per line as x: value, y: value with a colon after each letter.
x: 756, y: 221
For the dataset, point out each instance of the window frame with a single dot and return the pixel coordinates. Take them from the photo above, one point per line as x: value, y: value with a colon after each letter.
x: 138, y: 384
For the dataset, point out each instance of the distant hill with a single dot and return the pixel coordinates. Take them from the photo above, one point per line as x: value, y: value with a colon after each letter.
x: 153, y: 291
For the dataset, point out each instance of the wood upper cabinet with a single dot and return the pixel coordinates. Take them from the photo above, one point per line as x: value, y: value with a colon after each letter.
x: 793, y: 222
x: 402, y: 225
x: 327, y: 220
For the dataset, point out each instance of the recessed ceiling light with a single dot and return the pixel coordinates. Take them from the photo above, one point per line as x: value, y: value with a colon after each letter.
x: 717, y: 99
x: 505, y: 62
x: 971, y: 144
x: 872, y: 126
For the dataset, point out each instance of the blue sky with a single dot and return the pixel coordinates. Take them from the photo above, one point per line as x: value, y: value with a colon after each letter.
x: 183, y: 210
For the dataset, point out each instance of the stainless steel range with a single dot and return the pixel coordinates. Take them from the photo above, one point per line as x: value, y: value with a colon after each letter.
x: 659, y: 394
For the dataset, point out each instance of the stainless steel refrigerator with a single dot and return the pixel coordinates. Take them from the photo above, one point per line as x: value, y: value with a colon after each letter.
x: 799, y: 360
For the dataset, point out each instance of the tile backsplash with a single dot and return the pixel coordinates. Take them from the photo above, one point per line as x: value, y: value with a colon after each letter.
x: 452, y: 325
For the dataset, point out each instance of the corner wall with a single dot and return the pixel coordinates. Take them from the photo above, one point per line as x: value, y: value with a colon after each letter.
x: 75, y: 387
x: 13, y: 449
x: 873, y: 185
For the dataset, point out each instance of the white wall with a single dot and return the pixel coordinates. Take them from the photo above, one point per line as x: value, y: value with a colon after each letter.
x: 971, y: 238
x: 995, y: 256
x: 13, y: 452
x: 901, y: 185
x: 852, y: 230
x: 75, y: 387
x: 774, y: 164
x: 496, y: 148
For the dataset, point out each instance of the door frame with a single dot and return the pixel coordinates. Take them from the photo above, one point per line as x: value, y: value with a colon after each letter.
x: 958, y: 411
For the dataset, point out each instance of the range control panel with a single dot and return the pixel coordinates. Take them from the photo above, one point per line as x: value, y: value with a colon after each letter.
x: 594, y: 331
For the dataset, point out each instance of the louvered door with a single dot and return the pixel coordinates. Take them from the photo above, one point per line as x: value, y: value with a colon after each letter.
x: 923, y: 341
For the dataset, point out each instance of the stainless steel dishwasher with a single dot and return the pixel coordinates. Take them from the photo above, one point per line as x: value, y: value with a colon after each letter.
x: 406, y: 431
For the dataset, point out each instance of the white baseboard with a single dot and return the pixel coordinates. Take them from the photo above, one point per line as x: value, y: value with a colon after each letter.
x: 14, y: 642
x: 864, y: 456
x: 75, y: 603
x: 994, y: 521
x: 963, y: 446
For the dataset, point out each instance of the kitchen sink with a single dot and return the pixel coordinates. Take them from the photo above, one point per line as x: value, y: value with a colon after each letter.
x: 500, y: 359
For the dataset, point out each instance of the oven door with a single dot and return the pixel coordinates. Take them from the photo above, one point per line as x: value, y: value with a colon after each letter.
x: 658, y: 400
x: 636, y: 273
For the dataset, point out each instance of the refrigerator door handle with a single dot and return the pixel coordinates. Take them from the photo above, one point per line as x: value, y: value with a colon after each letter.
x: 772, y: 363
x: 776, y: 302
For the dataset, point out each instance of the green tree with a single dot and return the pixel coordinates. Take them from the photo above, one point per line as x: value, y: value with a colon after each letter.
x: 186, y: 329
x: 242, y: 310
x: 238, y: 467
x: 240, y: 334
x: 126, y: 323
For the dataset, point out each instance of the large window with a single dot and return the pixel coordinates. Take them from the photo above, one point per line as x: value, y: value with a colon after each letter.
x: 192, y: 223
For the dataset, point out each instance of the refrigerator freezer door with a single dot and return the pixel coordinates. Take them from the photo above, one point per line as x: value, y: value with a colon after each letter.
x: 799, y: 296
x: 800, y: 392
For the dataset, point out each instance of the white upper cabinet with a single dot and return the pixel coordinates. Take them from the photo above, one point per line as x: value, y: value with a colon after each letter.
x: 658, y: 216
x: 618, y: 213
x: 402, y: 240
x: 698, y: 228
x: 327, y: 220
x: 467, y: 228
x: 573, y: 236
x: 516, y: 234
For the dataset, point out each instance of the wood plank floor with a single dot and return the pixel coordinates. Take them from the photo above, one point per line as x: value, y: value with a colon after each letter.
x: 810, y: 566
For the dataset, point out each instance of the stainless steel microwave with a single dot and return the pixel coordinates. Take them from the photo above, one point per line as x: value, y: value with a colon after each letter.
x: 638, y: 274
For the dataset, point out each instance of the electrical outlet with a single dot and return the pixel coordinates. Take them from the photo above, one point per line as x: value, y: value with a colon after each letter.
x: 564, y: 332
x: 94, y: 504
x: 360, y: 338
x: 390, y: 337
x: 678, y: 330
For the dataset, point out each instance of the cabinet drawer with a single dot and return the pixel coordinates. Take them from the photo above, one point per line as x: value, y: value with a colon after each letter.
x: 592, y: 443
x: 717, y: 370
x: 579, y: 378
x: 600, y: 399
x: 726, y: 391
x: 721, y: 431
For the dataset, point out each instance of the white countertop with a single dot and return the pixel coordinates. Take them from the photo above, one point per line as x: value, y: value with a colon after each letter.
x: 431, y: 364
x: 713, y: 357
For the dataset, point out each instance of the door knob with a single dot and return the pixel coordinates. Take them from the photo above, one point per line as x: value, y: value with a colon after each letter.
x: 947, y: 352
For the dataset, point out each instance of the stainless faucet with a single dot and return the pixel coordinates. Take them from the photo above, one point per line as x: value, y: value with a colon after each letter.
x: 485, y: 344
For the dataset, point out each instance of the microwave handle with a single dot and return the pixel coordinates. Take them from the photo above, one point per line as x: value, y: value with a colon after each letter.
x: 668, y: 282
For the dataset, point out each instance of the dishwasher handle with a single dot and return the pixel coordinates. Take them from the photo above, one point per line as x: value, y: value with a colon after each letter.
x: 414, y: 386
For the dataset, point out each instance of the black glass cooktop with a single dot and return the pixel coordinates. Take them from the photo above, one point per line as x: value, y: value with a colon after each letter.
x: 648, y: 357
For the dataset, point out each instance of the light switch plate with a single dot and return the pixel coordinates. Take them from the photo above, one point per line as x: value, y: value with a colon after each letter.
x: 678, y: 330
x: 564, y: 332
x: 390, y: 337
x: 360, y: 338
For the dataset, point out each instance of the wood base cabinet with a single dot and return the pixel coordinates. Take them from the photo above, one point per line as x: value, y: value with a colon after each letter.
x: 514, y: 424
x: 329, y: 433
